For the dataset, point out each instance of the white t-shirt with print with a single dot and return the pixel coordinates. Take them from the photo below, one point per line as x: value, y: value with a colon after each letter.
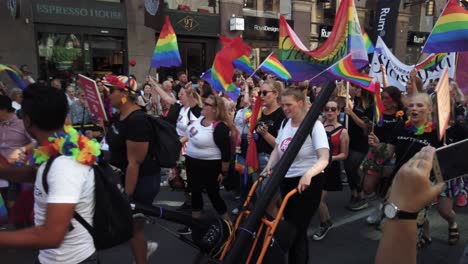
x: 201, y: 144
x: 71, y: 183
x: 183, y: 120
x: 307, y: 155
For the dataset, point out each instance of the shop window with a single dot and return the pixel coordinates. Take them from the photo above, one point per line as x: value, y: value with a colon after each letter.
x: 267, y: 8
x: 200, y: 6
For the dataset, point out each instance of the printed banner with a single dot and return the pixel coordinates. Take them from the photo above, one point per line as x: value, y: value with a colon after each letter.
x: 398, y: 73
x: 92, y: 97
x: 385, y: 20
x: 443, y: 104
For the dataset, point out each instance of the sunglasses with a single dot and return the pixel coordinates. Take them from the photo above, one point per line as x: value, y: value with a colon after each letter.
x: 265, y: 93
x: 328, y: 109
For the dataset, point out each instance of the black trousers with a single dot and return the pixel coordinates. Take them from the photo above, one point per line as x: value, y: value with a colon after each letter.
x: 299, y: 212
x: 204, y: 174
x: 351, y: 165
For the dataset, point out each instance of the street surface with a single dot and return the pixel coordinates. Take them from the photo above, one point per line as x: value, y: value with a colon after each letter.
x: 351, y: 241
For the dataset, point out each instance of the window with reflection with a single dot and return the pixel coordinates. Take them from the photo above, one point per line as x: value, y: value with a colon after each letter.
x: 267, y: 8
x: 199, y: 6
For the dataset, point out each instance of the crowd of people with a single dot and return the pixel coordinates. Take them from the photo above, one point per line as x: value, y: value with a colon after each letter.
x: 214, y: 131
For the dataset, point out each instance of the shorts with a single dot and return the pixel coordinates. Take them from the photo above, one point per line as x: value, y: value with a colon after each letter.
x: 146, y: 189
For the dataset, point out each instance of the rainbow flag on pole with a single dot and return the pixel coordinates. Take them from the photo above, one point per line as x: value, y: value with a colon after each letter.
x: 14, y: 75
x: 273, y: 66
x: 431, y: 62
x: 450, y: 33
x: 345, y: 38
x: 166, y: 53
x: 379, y: 107
x: 345, y: 70
x: 243, y: 64
x: 367, y: 41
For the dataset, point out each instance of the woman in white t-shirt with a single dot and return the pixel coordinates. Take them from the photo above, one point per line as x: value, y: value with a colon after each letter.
x: 305, y: 173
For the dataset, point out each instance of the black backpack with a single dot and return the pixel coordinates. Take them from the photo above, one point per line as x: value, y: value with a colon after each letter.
x: 166, y: 145
x: 112, y: 220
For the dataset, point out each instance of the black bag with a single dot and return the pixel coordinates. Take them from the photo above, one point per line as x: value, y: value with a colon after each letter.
x: 166, y: 145
x: 112, y: 220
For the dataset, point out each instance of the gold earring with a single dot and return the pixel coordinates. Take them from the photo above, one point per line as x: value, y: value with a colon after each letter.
x: 123, y: 100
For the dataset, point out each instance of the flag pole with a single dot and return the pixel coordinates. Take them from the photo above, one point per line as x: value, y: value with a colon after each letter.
x: 347, y: 104
x: 253, y: 73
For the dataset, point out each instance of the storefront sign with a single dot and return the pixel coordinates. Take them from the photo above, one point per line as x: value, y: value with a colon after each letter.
x: 398, y: 72
x: 417, y: 38
x: 92, y: 97
x: 325, y: 31
x: 84, y: 13
x: 236, y: 23
x: 262, y: 28
x: 385, y: 20
x: 186, y: 23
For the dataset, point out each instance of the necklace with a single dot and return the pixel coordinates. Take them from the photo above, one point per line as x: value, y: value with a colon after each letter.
x: 426, y: 128
x: 68, y: 142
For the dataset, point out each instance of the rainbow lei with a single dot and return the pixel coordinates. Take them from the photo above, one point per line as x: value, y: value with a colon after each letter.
x: 426, y: 128
x: 68, y: 142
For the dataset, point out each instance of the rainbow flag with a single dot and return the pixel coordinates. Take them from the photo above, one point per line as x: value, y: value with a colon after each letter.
x: 450, y: 33
x: 273, y: 66
x: 367, y: 41
x: 251, y: 158
x: 223, y: 69
x: 345, y: 70
x: 166, y: 53
x: 345, y: 38
x: 432, y: 61
x: 378, y: 105
x: 243, y: 64
x: 14, y: 75
x: 239, y: 165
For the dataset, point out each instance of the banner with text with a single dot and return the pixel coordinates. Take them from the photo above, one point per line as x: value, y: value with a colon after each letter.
x: 385, y: 20
x: 92, y: 97
x: 398, y: 73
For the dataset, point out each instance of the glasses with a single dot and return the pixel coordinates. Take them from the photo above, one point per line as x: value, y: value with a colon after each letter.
x: 265, y: 93
x: 328, y: 109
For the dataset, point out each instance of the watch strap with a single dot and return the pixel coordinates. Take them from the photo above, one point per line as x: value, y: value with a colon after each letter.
x: 406, y: 215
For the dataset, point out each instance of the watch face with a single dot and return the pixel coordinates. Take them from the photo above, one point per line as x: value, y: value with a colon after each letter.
x: 390, y: 211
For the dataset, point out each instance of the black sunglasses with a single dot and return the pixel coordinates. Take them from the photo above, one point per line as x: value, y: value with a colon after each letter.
x: 265, y: 93
x: 328, y: 109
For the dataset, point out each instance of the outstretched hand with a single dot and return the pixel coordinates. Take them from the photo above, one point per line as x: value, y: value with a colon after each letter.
x: 411, y: 189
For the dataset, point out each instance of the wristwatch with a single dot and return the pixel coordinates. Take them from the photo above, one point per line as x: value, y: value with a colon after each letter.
x: 391, y: 211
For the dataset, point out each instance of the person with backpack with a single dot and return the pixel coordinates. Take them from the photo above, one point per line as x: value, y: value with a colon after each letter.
x: 338, y: 141
x: 60, y: 237
x: 208, y: 155
x: 129, y: 138
x: 304, y: 174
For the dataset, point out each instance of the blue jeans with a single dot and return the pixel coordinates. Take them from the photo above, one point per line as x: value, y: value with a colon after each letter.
x: 246, y: 184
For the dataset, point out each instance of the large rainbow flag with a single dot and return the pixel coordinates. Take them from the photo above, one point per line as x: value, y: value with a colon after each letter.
x: 345, y: 38
x: 166, y: 53
x: 367, y: 41
x: 223, y: 69
x: 14, y: 75
x: 345, y: 70
x: 450, y: 33
x: 273, y: 66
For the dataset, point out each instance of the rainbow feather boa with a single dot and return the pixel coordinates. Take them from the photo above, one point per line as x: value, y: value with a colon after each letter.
x: 426, y: 128
x: 68, y: 142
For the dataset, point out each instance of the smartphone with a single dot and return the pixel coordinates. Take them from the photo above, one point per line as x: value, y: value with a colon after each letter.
x: 450, y: 161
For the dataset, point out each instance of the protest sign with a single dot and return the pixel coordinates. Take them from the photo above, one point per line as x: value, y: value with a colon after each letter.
x: 443, y: 104
x: 93, y: 98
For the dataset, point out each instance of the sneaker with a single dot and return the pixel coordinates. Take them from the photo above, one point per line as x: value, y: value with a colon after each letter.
x: 322, y: 231
x: 184, y: 207
x: 461, y: 200
x: 358, y: 204
x: 151, y: 247
x: 185, y: 231
x: 235, y: 211
x: 375, y: 217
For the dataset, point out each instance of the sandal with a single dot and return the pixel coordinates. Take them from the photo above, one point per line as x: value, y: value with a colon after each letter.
x: 424, y: 241
x: 453, y: 235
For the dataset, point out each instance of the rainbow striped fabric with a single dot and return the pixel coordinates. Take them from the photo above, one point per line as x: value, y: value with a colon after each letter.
x: 223, y: 69
x: 450, y: 33
x: 345, y: 70
x: 14, y: 75
x: 166, y: 53
x: 243, y: 64
x: 273, y: 66
x: 378, y: 105
x: 239, y: 165
x: 431, y: 62
x: 367, y: 41
x: 345, y: 38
